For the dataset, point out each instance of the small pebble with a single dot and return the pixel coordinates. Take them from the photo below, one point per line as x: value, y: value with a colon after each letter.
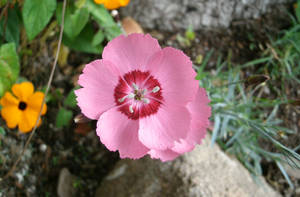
x: 43, y: 147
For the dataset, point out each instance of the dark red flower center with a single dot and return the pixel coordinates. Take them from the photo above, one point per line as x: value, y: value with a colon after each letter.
x: 138, y: 94
x: 22, y: 105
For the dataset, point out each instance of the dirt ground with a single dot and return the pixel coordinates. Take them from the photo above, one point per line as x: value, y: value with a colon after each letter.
x: 77, y: 147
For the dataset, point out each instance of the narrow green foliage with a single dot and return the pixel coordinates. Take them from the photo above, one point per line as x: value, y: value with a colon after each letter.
x: 242, y: 118
x: 36, y: 15
x: 9, y: 66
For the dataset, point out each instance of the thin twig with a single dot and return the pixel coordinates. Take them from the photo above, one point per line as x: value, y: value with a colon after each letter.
x: 44, y: 99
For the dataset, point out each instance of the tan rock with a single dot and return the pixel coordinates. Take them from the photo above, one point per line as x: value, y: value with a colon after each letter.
x: 206, y: 171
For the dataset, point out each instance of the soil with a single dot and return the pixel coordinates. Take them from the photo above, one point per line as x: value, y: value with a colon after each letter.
x: 77, y: 147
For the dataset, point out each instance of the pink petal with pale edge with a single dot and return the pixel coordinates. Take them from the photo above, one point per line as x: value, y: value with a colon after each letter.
x: 98, y: 82
x: 200, y: 112
x: 117, y: 132
x: 168, y: 125
x: 173, y: 69
x: 131, y: 52
x: 166, y: 155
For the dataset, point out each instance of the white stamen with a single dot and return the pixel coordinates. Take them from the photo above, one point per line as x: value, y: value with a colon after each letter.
x: 131, y: 109
x: 131, y: 95
x: 135, y: 87
x: 146, y: 100
x: 155, y: 89
x: 122, y: 99
x: 144, y: 91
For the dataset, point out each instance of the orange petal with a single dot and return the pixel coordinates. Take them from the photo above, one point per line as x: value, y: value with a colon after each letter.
x: 8, y: 100
x: 109, y: 4
x: 35, y: 101
x: 12, y: 115
x: 28, y: 120
x: 23, y: 90
x: 124, y: 2
x: 99, y: 1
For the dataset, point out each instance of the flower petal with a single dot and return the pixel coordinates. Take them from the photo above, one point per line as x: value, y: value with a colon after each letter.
x: 200, y: 112
x: 117, y: 132
x: 163, y: 155
x: 124, y: 2
x: 109, y: 4
x: 28, y: 120
x: 12, y: 115
x: 98, y: 80
x: 8, y: 99
x: 131, y: 52
x: 183, y: 146
x: 161, y: 130
x: 99, y: 1
x: 23, y: 90
x: 35, y: 101
x: 173, y: 69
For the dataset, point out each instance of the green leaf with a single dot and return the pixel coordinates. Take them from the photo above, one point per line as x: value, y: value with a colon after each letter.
x: 104, y: 19
x: 36, y: 15
x: 9, y: 66
x: 98, y: 38
x: 2, y: 131
x: 297, y: 10
x: 2, y: 90
x: 11, y: 26
x: 80, y: 3
x: 190, y: 34
x: 71, y: 99
x: 83, y: 42
x: 75, y: 19
x: 63, y: 117
x: 2, y: 3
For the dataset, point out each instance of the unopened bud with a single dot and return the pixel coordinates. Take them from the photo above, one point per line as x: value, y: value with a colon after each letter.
x: 256, y: 80
x: 80, y: 118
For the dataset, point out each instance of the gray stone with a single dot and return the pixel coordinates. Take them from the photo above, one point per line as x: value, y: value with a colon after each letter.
x: 65, y: 184
x: 291, y: 168
x: 206, y: 171
x: 180, y: 14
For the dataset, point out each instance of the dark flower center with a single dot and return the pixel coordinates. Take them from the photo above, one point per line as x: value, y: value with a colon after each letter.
x: 22, y: 105
x: 138, y: 94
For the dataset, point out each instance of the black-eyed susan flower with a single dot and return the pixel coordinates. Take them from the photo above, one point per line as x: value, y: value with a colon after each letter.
x: 112, y: 4
x: 22, y: 108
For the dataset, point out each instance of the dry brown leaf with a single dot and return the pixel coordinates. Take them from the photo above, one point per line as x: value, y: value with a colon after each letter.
x: 131, y: 26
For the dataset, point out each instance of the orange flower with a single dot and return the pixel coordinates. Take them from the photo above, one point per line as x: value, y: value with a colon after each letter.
x: 23, y: 109
x: 112, y: 4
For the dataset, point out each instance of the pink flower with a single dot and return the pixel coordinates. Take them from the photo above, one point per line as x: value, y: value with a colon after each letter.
x: 145, y: 98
